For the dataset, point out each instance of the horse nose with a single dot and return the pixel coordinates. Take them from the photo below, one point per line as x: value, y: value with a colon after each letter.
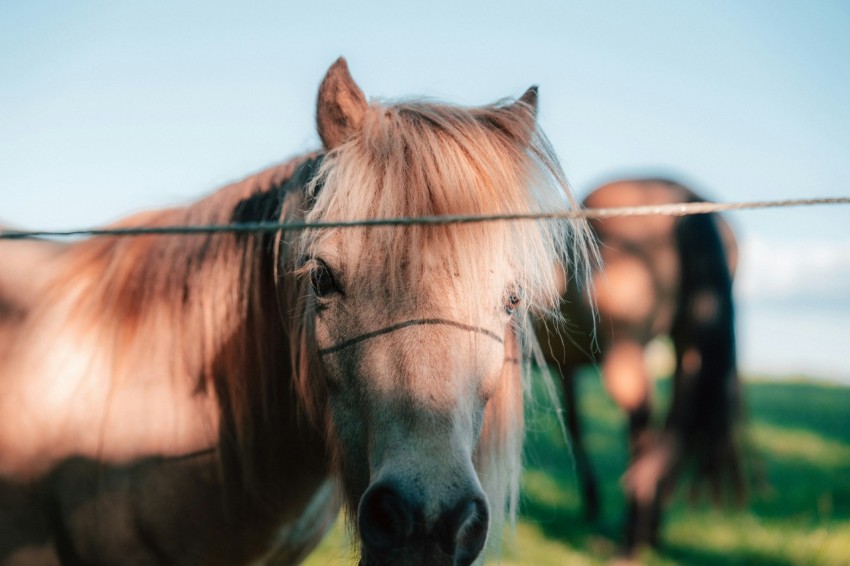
x: 386, y: 519
x: 463, y: 531
x: 391, y: 522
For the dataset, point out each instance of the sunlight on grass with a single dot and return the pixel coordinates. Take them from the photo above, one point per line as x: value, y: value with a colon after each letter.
x: 800, y: 445
x: 739, y: 538
x: 335, y: 549
x: 533, y: 547
x: 546, y: 490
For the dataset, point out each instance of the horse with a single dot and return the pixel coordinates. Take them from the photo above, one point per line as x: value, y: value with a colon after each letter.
x: 218, y: 398
x: 659, y: 275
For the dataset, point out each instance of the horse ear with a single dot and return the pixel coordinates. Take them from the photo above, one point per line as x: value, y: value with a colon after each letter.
x: 340, y: 106
x: 530, y: 99
x: 524, y: 111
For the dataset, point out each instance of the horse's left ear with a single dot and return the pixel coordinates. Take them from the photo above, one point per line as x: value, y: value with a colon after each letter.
x: 340, y: 106
x: 524, y: 111
x: 530, y: 99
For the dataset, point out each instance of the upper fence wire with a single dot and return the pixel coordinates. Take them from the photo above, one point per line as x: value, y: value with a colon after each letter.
x: 675, y: 209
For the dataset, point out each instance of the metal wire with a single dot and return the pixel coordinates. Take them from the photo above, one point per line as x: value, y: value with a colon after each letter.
x: 675, y: 209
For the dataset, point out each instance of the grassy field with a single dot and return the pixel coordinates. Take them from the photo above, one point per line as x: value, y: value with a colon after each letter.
x: 798, y: 453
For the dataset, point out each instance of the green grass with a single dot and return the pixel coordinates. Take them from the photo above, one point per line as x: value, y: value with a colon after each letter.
x: 798, y: 512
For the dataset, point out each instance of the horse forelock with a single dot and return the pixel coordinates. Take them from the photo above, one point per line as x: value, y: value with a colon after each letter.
x: 417, y: 159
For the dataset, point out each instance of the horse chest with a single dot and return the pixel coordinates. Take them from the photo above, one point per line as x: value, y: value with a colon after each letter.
x: 294, y: 540
x: 156, y: 512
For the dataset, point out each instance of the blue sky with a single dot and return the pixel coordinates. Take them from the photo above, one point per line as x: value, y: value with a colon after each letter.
x: 107, y: 108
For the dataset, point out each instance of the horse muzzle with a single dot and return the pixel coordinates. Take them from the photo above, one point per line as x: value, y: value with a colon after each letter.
x: 395, y: 529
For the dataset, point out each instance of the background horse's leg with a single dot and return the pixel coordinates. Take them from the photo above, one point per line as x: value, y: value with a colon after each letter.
x: 627, y: 382
x: 589, y: 486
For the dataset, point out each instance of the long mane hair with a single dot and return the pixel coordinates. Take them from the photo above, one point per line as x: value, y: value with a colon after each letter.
x: 201, y: 309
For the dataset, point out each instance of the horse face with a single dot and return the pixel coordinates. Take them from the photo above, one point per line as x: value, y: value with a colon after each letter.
x: 409, y: 371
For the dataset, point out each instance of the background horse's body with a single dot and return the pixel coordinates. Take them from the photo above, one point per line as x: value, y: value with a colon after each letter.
x: 661, y: 276
x: 213, y: 398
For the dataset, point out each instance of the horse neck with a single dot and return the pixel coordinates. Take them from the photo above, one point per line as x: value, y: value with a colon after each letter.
x: 262, y: 427
x: 184, y: 297
x: 191, y: 321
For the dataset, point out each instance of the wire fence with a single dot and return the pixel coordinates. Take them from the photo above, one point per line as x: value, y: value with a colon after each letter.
x: 676, y: 209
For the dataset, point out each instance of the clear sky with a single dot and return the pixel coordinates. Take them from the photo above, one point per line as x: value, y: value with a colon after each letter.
x: 107, y: 108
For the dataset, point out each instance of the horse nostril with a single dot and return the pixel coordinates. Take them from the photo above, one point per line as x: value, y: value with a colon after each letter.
x: 464, y: 531
x: 385, y: 518
x: 392, y: 525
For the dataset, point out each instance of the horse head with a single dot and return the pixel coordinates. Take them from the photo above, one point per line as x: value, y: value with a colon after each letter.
x: 414, y: 330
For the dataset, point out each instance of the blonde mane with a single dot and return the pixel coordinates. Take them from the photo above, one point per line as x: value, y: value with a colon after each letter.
x: 422, y: 159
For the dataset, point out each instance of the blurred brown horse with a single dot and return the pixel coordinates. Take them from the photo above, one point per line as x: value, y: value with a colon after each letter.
x: 662, y: 275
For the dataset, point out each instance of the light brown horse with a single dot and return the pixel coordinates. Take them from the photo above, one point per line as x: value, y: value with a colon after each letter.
x: 215, y: 398
x: 661, y: 275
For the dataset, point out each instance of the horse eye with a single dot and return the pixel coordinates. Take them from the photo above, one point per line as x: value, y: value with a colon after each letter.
x: 322, y: 280
x: 513, y: 298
